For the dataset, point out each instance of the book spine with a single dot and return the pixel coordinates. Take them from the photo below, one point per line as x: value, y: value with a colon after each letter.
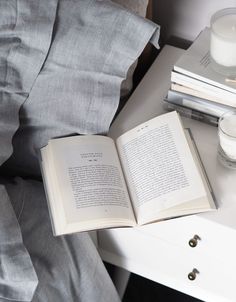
x: 199, y: 104
x: 191, y: 113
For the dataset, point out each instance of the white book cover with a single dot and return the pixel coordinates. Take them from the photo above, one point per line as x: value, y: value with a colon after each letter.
x: 196, y: 63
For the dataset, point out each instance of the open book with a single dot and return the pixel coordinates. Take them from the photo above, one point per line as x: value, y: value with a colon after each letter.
x: 150, y: 173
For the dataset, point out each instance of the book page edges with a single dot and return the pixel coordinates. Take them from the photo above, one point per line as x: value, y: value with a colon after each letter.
x: 92, y: 225
x: 50, y: 193
x: 196, y: 206
x: 197, y: 158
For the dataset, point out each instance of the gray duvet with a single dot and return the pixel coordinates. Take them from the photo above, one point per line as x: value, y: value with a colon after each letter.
x: 61, y: 68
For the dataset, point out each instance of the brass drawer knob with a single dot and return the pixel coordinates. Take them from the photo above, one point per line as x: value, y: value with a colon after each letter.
x: 192, y: 276
x: 194, y: 241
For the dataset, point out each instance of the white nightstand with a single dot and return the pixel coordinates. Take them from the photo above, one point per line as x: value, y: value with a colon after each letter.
x: 161, y: 251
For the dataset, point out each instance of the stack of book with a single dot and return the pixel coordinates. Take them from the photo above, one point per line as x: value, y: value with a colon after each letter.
x: 197, y: 89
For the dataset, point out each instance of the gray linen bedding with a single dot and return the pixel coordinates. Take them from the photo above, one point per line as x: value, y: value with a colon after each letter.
x: 62, y: 63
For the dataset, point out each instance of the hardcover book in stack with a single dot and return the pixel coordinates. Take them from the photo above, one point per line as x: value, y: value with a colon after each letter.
x: 197, y: 89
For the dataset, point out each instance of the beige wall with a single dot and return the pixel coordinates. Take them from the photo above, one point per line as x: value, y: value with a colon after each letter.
x: 186, y: 18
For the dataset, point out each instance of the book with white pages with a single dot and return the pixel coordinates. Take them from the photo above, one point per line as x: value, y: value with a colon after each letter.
x: 184, y: 83
x: 196, y: 103
x: 150, y: 173
x: 204, y: 94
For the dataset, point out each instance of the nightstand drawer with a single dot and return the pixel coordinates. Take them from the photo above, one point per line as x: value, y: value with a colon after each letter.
x: 168, y: 264
x: 196, y: 234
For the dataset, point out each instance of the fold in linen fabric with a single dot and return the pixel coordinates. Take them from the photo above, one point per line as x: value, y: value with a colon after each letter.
x: 69, y: 268
x: 78, y: 88
x: 25, y: 36
x: 139, y: 7
x: 63, y: 63
x: 18, y: 279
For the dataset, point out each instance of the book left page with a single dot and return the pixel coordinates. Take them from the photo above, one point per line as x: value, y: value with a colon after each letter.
x: 86, y: 186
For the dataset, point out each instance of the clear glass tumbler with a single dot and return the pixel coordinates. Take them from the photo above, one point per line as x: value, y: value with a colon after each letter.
x: 227, y: 139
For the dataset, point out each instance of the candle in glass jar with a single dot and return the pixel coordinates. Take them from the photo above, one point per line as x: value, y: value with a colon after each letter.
x: 223, y: 37
x: 227, y: 134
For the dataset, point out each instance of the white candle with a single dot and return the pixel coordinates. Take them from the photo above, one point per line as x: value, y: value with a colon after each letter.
x: 223, y: 37
x: 227, y: 134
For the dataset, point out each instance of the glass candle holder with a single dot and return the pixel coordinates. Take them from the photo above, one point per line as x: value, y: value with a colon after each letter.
x: 227, y: 139
x: 223, y: 41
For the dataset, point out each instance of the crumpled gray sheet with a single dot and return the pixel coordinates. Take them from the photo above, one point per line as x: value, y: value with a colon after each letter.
x: 62, y: 64
x: 25, y: 36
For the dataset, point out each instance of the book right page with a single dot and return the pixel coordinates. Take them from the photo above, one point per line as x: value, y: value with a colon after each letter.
x: 159, y: 168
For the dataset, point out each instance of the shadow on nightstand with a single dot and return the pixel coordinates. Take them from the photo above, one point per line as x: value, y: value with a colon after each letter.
x: 140, y: 289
